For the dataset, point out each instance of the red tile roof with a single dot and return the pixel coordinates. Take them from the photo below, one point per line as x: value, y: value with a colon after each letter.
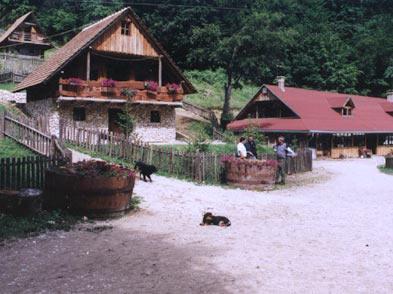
x: 84, y: 39
x: 314, y: 109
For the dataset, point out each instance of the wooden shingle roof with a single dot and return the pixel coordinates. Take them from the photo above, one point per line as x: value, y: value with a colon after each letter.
x: 14, y: 26
x: 82, y: 41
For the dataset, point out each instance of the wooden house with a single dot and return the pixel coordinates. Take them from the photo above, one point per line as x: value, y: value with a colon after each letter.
x: 109, y: 64
x: 334, y: 124
x: 25, y: 37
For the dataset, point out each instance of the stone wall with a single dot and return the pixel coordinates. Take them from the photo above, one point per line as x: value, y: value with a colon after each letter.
x: 97, y: 119
x: 48, y: 108
x: 19, y: 98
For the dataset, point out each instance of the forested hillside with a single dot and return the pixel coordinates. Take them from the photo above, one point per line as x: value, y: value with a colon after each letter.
x: 339, y: 45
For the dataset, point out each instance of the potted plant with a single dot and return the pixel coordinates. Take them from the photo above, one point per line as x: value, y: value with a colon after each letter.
x: 94, y: 188
x: 249, y: 174
x: 173, y: 88
x: 129, y: 93
x: 152, y: 88
x: 75, y: 84
x: 108, y: 86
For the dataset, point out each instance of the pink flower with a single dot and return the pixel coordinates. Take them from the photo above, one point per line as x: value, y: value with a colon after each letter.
x: 109, y: 83
x: 173, y: 88
x: 151, y: 86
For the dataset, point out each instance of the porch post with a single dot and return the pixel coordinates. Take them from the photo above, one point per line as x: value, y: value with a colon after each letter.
x: 88, y: 66
x: 159, y: 71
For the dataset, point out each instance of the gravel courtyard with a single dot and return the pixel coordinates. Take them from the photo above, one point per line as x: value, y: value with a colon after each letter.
x: 332, y: 236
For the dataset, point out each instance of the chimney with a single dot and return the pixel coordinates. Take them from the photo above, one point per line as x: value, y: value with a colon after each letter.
x: 281, y: 83
x: 389, y: 95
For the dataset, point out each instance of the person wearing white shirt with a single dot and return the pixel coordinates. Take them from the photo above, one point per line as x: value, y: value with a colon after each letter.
x: 241, y: 149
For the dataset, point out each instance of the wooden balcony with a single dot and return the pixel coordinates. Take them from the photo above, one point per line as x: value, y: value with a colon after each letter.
x: 25, y: 37
x: 96, y: 90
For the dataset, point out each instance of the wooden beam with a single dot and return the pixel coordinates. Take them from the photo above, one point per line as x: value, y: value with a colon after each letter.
x: 88, y: 66
x: 160, y: 71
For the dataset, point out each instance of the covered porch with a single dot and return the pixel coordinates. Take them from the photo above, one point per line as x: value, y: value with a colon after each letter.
x: 350, y: 145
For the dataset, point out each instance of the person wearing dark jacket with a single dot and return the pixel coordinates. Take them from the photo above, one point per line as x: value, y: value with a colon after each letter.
x: 251, y: 147
x: 281, y: 152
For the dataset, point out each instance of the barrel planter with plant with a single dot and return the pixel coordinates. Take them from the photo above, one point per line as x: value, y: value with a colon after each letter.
x: 92, y: 188
x: 389, y: 161
x: 250, y: 174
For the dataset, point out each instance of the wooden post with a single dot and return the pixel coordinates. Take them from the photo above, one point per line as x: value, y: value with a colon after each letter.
x: 160, y: 71
x: 88, y: 66
x: 2, y: 122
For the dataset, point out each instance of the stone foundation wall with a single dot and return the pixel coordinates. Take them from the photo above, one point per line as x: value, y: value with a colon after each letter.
x: 48, y: 108
x: 97, y: 118
x: 19, y: 98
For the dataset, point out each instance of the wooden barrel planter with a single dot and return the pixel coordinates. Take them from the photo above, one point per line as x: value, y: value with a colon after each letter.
x: 250, y: 174
x: 389, y: 161
x: 91, y: 195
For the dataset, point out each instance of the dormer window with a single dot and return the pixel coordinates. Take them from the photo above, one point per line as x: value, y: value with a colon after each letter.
x: 125, y: 28
x: 342, y: 105
x: 346, y: 111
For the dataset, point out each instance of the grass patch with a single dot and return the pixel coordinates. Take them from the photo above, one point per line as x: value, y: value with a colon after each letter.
x: 9, y: 148
x: 135, y: 202
x: 22, y: 227
x: 210, y: 86
x: 8, y: 86
x: 388, y: 171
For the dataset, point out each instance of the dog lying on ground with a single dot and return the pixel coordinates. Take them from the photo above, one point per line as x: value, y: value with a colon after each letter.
x: 145, y: 170
x: 210, y: 219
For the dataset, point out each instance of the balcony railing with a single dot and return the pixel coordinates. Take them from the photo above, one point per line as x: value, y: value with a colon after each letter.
x: 28, y: 37
x: 96, y: 89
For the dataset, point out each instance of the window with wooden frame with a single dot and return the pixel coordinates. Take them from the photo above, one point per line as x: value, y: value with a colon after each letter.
x: 155, y: 116
x: 126, y: 28
x: 346, y: 111
x: 79, y: 114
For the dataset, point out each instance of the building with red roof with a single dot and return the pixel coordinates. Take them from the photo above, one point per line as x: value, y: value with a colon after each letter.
x: 334, y: 124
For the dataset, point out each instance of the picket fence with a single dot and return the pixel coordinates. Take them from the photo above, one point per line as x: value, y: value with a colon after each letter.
x: 25, y: 172
x: 200, y: 167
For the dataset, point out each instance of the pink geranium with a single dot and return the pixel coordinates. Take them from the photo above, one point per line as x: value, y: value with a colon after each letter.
x: 151, y: 86
x: 173, y: 88
x: 109, y: 83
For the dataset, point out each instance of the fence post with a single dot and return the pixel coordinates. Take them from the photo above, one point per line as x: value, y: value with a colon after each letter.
x: 2, y: 122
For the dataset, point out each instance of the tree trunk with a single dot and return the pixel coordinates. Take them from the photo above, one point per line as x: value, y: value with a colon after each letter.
x: 226, y: 116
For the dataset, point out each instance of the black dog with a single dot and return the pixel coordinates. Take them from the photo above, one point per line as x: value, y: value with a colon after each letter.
x: 145, y: 169
x: 210, y: 219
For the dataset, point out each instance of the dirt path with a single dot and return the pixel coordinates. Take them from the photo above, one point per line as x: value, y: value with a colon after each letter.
x: 330, y: 237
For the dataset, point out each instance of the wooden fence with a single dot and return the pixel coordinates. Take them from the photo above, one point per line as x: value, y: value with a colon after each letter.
x: 10, y: 77
x: 201, y: 167
x: 202, y: 112
x: 40, y: 123
x: 28, y: 136
x: 21, y: 65
x: 24, y: 172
